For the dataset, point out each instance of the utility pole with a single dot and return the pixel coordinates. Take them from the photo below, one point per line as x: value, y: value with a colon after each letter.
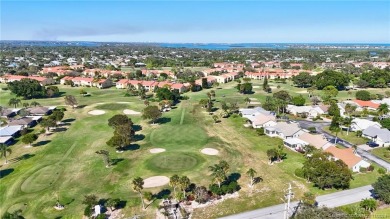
x: 287, y: 206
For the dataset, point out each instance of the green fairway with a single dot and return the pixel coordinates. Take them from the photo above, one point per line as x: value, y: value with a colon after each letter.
x: 174, y: 162
x: 112, y: 106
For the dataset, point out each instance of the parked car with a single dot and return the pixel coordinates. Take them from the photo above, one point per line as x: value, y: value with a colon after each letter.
x: 372, y: 144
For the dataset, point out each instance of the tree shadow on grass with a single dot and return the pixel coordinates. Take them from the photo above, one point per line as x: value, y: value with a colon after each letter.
x: 23, y: 157
x: 61, y: 129
x: 257, y: 180
x: 163, y: 120
x: 131, y: 147
x: 6, y: 172
x: 139, y: 137
x: 162, y: 194
x: 69, y: 120
x: 80, y: 106
x: 137, y: 128
x: 116, y: 161
x: 41, y: 143
x: 234, y: 177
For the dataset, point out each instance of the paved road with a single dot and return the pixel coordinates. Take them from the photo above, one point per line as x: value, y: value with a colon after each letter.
x: 367, y: 155
x: 331, y: 200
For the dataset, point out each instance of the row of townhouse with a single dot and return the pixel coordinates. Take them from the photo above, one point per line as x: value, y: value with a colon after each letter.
x: 151, y: 85
x: 87, y: 82
x: 272, y: 74
x: 42, y: 80
x: 371, y: 105
x: 297, y: 138
x: 308, y: 111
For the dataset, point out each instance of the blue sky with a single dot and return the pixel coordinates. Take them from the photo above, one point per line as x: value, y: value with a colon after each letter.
x: 197, y: 21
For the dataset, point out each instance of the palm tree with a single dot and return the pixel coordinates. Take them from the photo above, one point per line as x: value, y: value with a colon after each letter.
x: 212, y: 92
x: 184, y: 182
x: 251, y: 173
x: 247, y: 100
x: 349, y: 108
x: 138, y: 185
x: 209, y: 95
x: 336, y: 130
x: 4, y: 150
x: 14, y: 102
x: 35, y: 103
x: 348, y: 122
x: 383, y: 109
x: 174, y: 182
x: 25, y: 105
x: 217, y: 174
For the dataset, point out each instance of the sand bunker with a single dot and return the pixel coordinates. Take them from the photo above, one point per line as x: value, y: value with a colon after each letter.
x: 155, y: 181
x: 156, y: 150
x: 209, y: 151
x: 255, y: 102
x: 131, y: 112
x: 97, y: 112
x: 302, y: 92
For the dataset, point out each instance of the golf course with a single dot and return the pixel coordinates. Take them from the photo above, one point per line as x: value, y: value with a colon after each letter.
x: 64, y: 165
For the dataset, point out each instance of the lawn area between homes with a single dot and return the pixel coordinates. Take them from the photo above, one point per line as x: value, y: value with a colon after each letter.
x: 382, y: 152
x: 351, y: 137
x: 68, y: 166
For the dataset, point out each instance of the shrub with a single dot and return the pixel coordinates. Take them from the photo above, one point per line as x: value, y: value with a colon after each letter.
x: 363, y: 95
x: 234, y: 115
x: 4, y: 88
x: 382, y: 171
x: 299, y: 173
x: 88, y: 211
x: 363, y: 169
x: 370, y: 168
x: 260, y: 131
x: 148, y: 196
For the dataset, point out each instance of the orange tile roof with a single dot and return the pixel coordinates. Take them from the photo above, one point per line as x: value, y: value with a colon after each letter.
x: 346, y: 155
x: 363, y: 103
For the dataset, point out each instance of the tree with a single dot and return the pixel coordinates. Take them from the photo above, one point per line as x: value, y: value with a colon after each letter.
x: 4, y: 151
x: 201, y: 194
x: 330, y: 92
x: 217, y: 174
x: 106, y: 156
x: 245, y: 88
x: 138, y: 186
x: 309, y: 199
x: 382, y: 188
x: 333, y: 109
x: 29, y: 138
x: 215, y: 118
x: 57, y: 115
x: 113, y: 203
x: 326, y: 173
x: 27, y: 88
x: 349, y: 108
x: 123, y: 135
x: 90, y: 200
x: 368, y: 204
x: 320, y: 213
x: 174, y: 182
x: 303, y: 79
x: 205, y: 84
x: 151, y: 112
x: 70, y: 100
x: 330, y: 77
x: 265, y: 84
x: 383, y: 109
x: 52, y: 91
x: 348, y: 122
x: 14, y: 102
x: 35, y: 104
x: 335, y: 126
x: 14, y: 215
x: 247, y: 100
x: 118, y: 120
x: 315, y: 100
x: 251, y: 173
x: 48, y: 123
x: 363, y: 95
x: 26, y: 105
x: 166, y: 94
x: 184, y: 182
x: 298, y: 100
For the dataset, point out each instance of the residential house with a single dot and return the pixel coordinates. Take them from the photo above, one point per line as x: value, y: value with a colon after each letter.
x: 40, y: 110
x: 25, y: 122
x: 8, y: 113
x: 261, y: 120
x: 358, y: 124
x: 102, y: 83
x: 349, y: 157
x: 378, y: 135
x: 317, y: 140
x: 180, y: 87
x: 42, y: 80
x: 251, y: 112
x: 6, y: 140
x: 295, y: 143
x: 284, y: 130
x: 367, y: 104
x: 308, y: 111
x: 10, y: 130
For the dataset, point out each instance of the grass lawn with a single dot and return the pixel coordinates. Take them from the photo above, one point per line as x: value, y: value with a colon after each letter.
x: 381, y: 213
x: 382, y: 152
x: 66, y: 163
x: 351, y: 137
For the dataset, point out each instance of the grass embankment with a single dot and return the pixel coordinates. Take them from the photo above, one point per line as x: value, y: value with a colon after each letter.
x: 351, y: 137
x: 382, y: 152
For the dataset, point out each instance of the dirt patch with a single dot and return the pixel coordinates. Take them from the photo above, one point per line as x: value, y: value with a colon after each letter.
x: 155, y: 181
x: 156, y: 150
x: 210, y: 151
x: 131, y: 112
x: 97, y: 112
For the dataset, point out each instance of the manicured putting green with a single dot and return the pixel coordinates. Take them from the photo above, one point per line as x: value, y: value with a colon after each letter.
x: 41, y: 179
x: 174, y: 162
x: 179, y: 136
x: 112, y: 106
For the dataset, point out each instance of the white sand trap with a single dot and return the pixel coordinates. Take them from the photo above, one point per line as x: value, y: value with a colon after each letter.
x: 255, y: 102
x: 209, y: 151
x: 273, y: 87
x: 253, y: 99
x: 96, y: 112
x: 123, y: 102
x: 302, y: 92
x: 155, y: 181
x: 256, y: 86
x: 131, y: 112
x: 156, y: 150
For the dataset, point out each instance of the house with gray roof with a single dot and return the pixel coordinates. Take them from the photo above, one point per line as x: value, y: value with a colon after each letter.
x: 378, y: 135
x: 40, y: 110
x: 8, y: 113
x: 25, y: 122
x: 284, y: 130
x: 10, y: 130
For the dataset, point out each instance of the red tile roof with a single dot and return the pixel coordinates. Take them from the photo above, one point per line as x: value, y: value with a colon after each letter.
x: 363, y: 103
x: 346, y: 155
